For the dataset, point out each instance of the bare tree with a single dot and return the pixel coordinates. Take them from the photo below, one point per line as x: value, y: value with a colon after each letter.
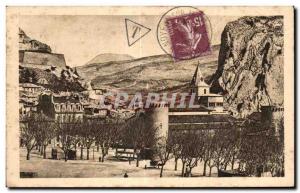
x: 222, y: 147
x: 45, y: 132
x: 67, y: 132
x: 106, y: 134
x: 139, y: 133
x: 260, y: 150
x: 163, y: 150
x: 190, y: 149
x: 28, y: 132
x: 86, y: 133
x: 36, y: 128
x: 207, y: 151
x: 193, y: 150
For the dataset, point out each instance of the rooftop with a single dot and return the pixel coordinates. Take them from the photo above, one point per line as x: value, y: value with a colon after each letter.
x: 213, y: 118
x: 29, y: 85
x: 201, y: 109
x: 212, y: 95
x: 64, y: 99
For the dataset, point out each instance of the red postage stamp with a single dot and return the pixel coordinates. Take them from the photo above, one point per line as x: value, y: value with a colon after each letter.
x: 188, y: 36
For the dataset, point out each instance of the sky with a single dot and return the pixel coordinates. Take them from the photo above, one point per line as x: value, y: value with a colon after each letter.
x: 82, y: 37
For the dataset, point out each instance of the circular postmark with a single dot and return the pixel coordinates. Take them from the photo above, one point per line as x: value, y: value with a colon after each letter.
x: 184, y: 33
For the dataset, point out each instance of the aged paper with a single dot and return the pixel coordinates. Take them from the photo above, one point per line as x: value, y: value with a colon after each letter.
x: 150, y: 97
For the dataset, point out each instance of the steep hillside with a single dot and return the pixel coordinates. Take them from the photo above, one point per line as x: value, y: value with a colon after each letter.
x: 250, y: 64
x: 64, y: 83
x: 153, y: 73
x: 102, y: 58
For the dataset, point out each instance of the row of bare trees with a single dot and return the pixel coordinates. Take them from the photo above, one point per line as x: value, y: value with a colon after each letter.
x: 241, y: 150
x: 36, y: 130
x: 137, y: 133
x: 238, y: 148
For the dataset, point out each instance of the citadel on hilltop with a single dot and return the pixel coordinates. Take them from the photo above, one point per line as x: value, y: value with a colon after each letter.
x: 33, y: 53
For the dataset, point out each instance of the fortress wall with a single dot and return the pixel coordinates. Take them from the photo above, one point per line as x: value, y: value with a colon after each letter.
x: 41, y: 60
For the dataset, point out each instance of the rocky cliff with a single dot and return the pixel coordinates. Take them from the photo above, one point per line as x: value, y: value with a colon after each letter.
x: 29, y: 44
x: 250, y: 64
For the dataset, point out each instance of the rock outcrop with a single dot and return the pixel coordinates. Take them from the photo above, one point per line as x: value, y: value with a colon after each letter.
x: 250, y: 64
x: 28, y: 44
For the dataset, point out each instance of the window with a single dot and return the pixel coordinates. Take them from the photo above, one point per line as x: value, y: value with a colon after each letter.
x: 211, y: 104
x: 204, y: 91
x: 220, y: 104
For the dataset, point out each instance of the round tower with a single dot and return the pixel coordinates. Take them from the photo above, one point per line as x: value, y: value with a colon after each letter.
x: 159, y: 113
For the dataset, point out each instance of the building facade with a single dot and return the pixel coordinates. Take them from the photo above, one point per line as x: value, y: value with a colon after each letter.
x: 62, y: 108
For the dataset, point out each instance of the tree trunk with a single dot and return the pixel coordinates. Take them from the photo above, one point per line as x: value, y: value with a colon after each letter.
x: 210, y: 170
x: 75, y: 151
x: 28, y: 155
x: 44, y: 155
x: 137, y: 160
x: 182, y: 171
x: 129, y: 159
x: 42, y: 149
x: 232, y: 163
x: 190, y: 172
x: 103, y: 156
x: 161, y: 171
x: 204, y: 167
x: 66, y: 156
x: 239, y: 167
x: 81, y: 153
x: 87, y: 153
x: 176, y: 160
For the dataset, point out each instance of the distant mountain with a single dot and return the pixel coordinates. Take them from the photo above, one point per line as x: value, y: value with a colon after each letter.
x: 153, y: 73
x: 108, y: 57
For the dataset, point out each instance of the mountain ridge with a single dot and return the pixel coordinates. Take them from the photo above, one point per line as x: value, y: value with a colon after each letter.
x: 109, y: 57
x: 150, y: 73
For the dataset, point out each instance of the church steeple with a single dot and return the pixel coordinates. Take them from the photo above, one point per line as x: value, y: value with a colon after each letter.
x: 198, y: 84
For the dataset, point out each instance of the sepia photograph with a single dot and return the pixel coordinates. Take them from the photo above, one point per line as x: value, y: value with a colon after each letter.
x: 178, y: 96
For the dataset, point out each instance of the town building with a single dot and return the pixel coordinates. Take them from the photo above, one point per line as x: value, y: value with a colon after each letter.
x: 62, y: 108
x: 28, y: 97
x: 211, y: 114
x: 30, y: 88
x: 196, y: 120
x: 27, y: 106
x: 93, y: 111
x: 205, y: 98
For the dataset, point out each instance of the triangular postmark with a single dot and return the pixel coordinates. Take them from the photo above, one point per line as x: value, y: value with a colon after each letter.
x: 135, y: 31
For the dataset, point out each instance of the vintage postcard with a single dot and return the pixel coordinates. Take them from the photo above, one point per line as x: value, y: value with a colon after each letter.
x: 185, y: 96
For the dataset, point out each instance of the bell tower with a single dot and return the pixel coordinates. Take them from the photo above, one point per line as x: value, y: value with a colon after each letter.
x: 198, y: 84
